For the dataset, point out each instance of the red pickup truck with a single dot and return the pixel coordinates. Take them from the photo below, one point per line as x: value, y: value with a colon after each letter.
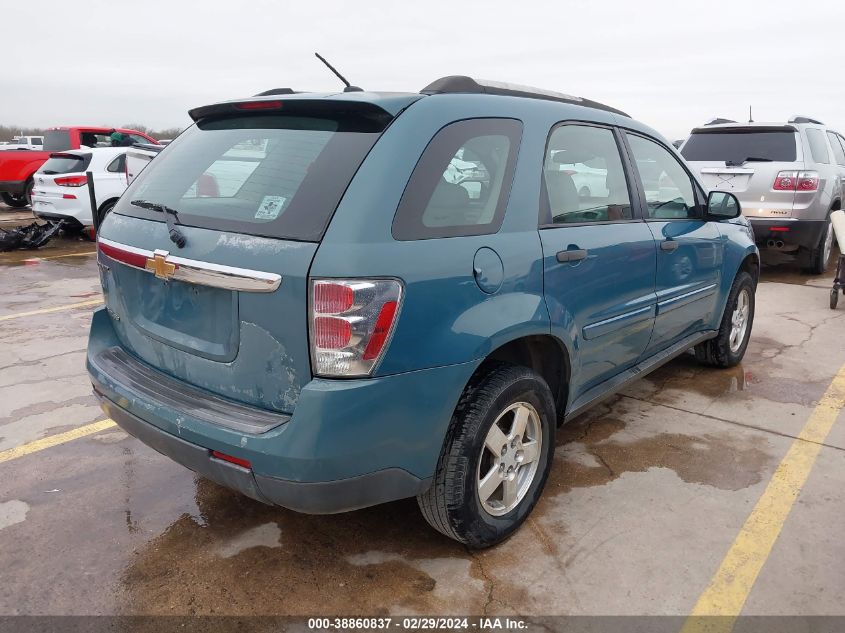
x: 17, y: 166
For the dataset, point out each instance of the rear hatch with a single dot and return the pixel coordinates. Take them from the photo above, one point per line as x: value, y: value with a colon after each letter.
x: 60, y: 181
x: 745, y: 161
x: 254, y: 187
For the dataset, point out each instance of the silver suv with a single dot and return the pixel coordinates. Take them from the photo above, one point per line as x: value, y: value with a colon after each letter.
x: 788, y: 178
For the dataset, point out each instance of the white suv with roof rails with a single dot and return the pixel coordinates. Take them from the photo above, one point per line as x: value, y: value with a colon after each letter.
x: 788, y: 178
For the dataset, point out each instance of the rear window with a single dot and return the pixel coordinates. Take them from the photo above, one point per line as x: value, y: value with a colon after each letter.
x: 270, y: 175
x: 56, y: 140
x: 738, y: 145
x: 66, y: 164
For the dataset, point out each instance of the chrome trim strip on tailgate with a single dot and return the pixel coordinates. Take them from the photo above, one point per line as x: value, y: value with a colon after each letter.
x: 166, y: 266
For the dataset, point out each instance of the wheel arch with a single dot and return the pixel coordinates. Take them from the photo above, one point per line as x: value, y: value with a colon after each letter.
x: 544, y: 354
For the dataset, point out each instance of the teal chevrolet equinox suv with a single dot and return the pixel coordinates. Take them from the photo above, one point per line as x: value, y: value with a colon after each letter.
x: 330, y: 301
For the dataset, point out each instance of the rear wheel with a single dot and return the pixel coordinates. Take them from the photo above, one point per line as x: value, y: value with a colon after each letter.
x: 834, y: 298
x: 16, y: 201
x: 728, y: 348
x: 821, y: 255
x: 495, y: 459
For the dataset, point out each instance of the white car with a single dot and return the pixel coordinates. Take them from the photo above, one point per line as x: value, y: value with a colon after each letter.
x: 24, y: 142
x: 60, y: 189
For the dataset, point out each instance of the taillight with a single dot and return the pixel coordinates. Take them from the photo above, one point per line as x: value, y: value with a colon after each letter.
x: 72, y: 181
x: 796, y: 181
x: 350, y: 323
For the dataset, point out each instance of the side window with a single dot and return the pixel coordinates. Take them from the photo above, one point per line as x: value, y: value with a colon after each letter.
x: 37, y: 141
x: 584, y: 178
x: 461, y: 183
x: 118, y: 165
x: 836, y: 145
x: 667, y: 185
x: 818, y: 148
x: 138, y: 139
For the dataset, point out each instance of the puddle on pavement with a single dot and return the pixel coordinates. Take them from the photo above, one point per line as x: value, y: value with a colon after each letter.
x: 591, y: 457
x: 784, y: 269
x: 238, y: 556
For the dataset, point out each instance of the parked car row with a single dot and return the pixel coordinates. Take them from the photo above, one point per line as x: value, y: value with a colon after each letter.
x: 17, y: 168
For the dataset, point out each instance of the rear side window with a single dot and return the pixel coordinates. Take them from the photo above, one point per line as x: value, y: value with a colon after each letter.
x: 56, y: 140
x: 818, y: 148
x: 737, y: 145
x: 118, y: 165
x: 584, y: 178
x: 274, y: 175
x: 37, y: 141
x: 461, y: 183
x: 836, y: 145
x: 66, y: 164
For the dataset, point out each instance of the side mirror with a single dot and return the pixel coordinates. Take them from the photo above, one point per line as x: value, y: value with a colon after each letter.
x: 722, y: 206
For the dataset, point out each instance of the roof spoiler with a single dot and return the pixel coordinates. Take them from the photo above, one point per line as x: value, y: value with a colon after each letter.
x: 719, y: 121
x: 461, y: 84
x: 804, y: 119
x: 257, y: 105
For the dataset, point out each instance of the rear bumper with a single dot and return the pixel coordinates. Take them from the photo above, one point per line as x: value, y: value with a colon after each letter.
x: 76, y: 212
x: 15, y: 187
x: 324, y: 497
x: 348, y: 443
x: 801, y: 233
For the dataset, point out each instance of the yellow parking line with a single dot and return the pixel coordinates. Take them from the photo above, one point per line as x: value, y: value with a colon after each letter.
x: 55, y: 440
x: 69, y: 306
x: 69, y: 255
x: 730, y: 586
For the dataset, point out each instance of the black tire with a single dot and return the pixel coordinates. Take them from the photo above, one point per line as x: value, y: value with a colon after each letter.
x: 452, y: 504
x: 16, y: 202
x: 717, y: 351
x: 834, y: 298
x: 818, y: 261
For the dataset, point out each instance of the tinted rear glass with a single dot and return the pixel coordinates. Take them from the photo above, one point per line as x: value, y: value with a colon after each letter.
x: 738, y: 145
x: 56, y: 140
x: 67, y: 164
x: 271, y: 175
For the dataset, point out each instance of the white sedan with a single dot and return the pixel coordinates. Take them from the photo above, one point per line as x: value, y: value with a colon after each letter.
x: 60, y: 189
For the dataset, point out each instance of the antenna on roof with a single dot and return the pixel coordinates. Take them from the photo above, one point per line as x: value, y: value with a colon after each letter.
x: 349, y: 87
x: 750, y: 120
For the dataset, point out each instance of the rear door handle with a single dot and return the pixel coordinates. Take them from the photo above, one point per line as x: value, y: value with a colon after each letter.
x: 572, y: 255
x: 669, y: 246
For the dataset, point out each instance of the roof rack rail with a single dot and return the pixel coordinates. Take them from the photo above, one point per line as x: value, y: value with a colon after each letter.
x: 718, y: 121
x: 804, y: 119
x: 458, y: 84
x: 276, y: 91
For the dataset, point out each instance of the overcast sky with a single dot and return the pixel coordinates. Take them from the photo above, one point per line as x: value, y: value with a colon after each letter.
x: 671, y: 64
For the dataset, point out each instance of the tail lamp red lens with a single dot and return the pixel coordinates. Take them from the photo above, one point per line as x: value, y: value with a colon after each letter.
x: 779, y: 229
x: 796, y: 181
x: 351, y: 322
x: 332, y: 332
x: 244, y: 463
x: 72, y: 181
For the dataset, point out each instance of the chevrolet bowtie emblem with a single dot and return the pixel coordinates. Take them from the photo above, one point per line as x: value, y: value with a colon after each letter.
x: 159, y: 265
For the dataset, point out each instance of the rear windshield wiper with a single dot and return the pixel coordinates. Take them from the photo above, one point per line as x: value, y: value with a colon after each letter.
x: 171, y: 216
x: 750, y: 159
